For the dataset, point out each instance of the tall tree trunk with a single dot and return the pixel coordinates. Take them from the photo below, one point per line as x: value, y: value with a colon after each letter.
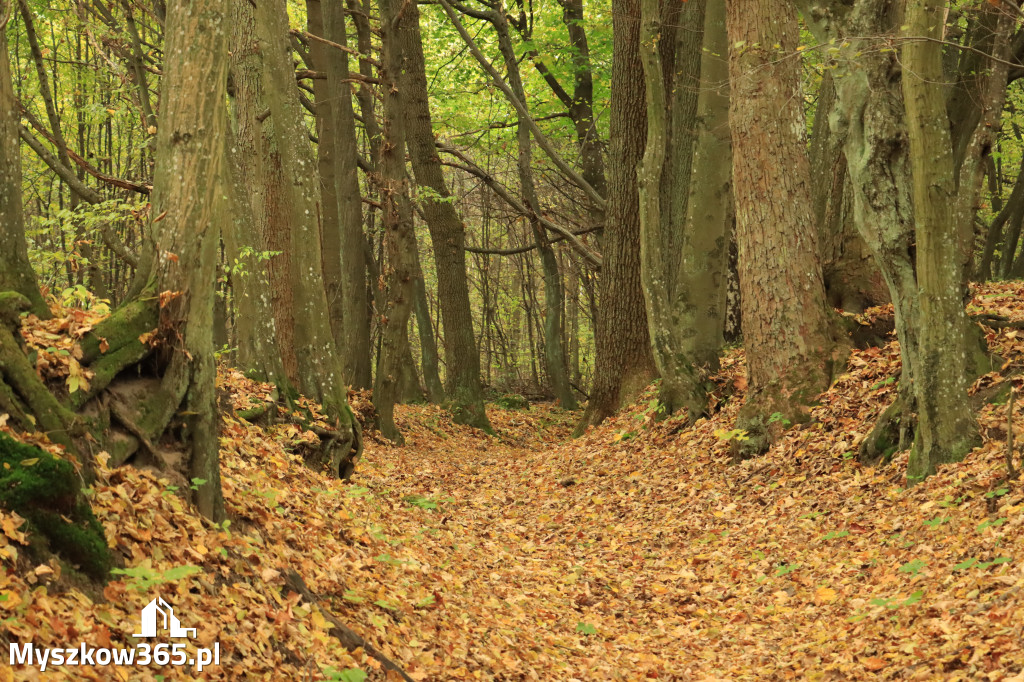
x: 255, y: 326
x: 872, y: 116
x: 790, y: 349
x: 353, y: 336
x: 447, y: 235
x: 286, y: 204
x: 399, y: 240
x: 429, y: 360
x: 188, y: 193
x: 581, y: 110
x: 947, y: 429
x: 554, y: 351
x: 623, y: 363
x: 328, y: 92
x: 680, y: 383
x: 15, y: 270
x: 703, y: 281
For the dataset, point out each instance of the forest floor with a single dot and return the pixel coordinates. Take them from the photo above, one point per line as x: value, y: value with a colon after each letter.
x: 638, y: 551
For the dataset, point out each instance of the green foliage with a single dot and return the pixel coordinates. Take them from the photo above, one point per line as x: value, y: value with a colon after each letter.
x: 585, y: 628
x: 347, y: 675
x: 512, y: 401
x: 143, y: 578
x: 913, y: 567
x: 46, y: 491
x: 421, y: 502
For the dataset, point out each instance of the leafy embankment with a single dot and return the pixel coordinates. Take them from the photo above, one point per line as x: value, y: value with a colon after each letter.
x: 637, y: 551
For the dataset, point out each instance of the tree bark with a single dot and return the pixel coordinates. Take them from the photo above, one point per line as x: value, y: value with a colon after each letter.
x: 680, y: 383
x: 623, y: 363
x: 447, y: 235
x: 343, y: 239
x: 281, y: 171
x: 187, y: 192
x: 16, y: 272
x: 791, y: 352
x: 399, y: 240
x: 947, y: 429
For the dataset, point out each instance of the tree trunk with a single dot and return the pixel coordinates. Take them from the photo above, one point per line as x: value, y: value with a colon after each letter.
x: 353, y: 336
x: 853, y: 281
x: 15, y: 270
x: 581, y: 111
x: 680, y: 384
x: 328, y: 93
x: 447, y: 235
x: 703, y: 282
x: 554, y: 351
x: 790, y: 349
x: 429, y: 360
x: 947, y: 429
x: 281, y: 170
x: 399, y: 240
x: 623, y: 363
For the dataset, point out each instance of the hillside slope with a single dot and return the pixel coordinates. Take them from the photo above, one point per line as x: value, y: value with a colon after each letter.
x: 638, y: 551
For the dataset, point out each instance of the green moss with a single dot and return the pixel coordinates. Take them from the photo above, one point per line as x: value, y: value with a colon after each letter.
x: 512, y: 401
x: 46, y: 491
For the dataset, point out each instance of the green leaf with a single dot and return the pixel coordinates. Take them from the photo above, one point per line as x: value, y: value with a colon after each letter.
x: 179, y: 572
x: 347, y: 675
x: 994, y: 562
x: 914, y: 598
x: 836, y: 534
x: 991, y: 523
x: 964, y: 565
x: 913, y: 567
x: 353, y: 597
x: 786, y: 569
x: 585, y: 628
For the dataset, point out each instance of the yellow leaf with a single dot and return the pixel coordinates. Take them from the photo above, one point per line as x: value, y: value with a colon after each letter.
x: 823, y: 595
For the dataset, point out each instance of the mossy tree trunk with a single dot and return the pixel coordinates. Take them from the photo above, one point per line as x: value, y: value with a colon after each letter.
x: 187, y: 193
x: 680, y: 383
x: 874, y: 120
x: 685, y: 225
x: 947, y: 428
x: 280, y: 168
x: 15, y: 270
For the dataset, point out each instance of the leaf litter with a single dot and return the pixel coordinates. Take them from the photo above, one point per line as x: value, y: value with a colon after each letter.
x: 637, y: 551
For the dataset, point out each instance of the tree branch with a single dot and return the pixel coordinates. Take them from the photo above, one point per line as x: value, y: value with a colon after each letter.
x: 521, y: 109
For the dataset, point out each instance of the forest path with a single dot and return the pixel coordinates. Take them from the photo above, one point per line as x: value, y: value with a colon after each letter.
x: 639, y: 551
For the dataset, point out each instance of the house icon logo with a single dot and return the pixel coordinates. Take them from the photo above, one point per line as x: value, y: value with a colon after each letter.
x: 159, y: 609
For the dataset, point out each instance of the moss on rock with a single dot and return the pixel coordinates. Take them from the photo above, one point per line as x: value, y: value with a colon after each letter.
x: 47, y: 492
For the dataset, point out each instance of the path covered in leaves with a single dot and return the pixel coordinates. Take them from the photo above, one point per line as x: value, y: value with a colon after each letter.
x: 636, y: 552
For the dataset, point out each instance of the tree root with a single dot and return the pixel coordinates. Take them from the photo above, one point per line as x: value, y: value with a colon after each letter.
x: 344, y: 634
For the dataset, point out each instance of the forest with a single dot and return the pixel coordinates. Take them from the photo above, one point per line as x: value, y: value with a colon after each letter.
x: 484, y: 339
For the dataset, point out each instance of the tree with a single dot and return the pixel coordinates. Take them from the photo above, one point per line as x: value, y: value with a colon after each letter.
x: 188, y: 195
x: 624, y: 364
x: 15, y: 270
x: 447, y: 234
x: 947, y: 429
x: 887, y: 162
x: 791, y: 350
x: 280, y: 169
x: 344, y: 264
x: 399, y: 239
